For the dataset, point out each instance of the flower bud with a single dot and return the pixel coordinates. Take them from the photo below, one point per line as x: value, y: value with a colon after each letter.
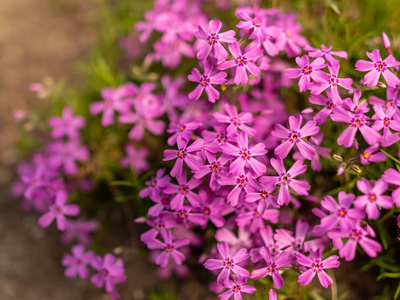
x: 337, y: 157
x: 386, y: 42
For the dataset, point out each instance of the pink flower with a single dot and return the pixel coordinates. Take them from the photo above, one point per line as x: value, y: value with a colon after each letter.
x: 378, y: 67
x: 245, y: 155
x: 317, y: 266
x: 214, y: 39
x: 384, y: 119
x: 285, y: 179
x: 135, y: 159
x: 236, y: 121
x: 67, y: 125
x: 58, y: 210
x: 307, y: 71
x: 76, y: 263
x: 372, y: 154
x: 236, y: 288
x: 325, y: 51
x: 294, y: 137
x: 329, y: 104
x: 206, y: 80
x: 255, y: 24
x: 169, y: 247
x: 228, y: 263
x: 393, y: 177
x: 242, y: 63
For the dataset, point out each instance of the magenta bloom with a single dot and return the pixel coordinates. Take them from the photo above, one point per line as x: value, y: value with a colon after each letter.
x: 135, y: 159
x: 65, y: 155
x: 329, y: 104
x: 245, y: 155
x: 393, y: 177
x: 228, y: 263
x: 110, y: 272
x: 206, y: 80
x: 372, y: 154
x: 255, y: 24
x: 242, y: 63
x: 181, y: 130
x: 236, y: 288
x: 307, y: 71
x: 285, y: 240
x: 236, y: 121
x: 341, y: 214
x: 67, y: 125
x: 357, y: 121
x: 183, y: 154
x: 285, y: 179
x: 155, y: 184
x: 79, y: 231
x: 317, y: 266
x: 378, y: 67
x: 119, y: 100
x: 241, y: 183
x: 169, y: 247
x: 384, y: 119
x: 183, y: 190
x: 77, y: 262
x: 273, y: 266
x: 373, y: 196
x: 216, y: 167
x: 214, y: 39
x: 325, y: 51
x: 263, y: 195
x: 58, y: 210
x: 331, y: 80
x: 294, y: 137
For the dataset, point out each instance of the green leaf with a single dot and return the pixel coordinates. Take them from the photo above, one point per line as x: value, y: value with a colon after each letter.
x: 391, y: 275
x: 396, y: 294
x: 333, y: 6
x: 391, y: 157
x: 384, y: 235
x: 122, y: 183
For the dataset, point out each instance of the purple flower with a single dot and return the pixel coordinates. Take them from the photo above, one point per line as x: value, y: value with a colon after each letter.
x: 135, y: 159
x: 183, y: 154
x: 263, y: 195
x: 393, y: 177
x: 169, y: 247
x: 325, y: 51
x: 119, y: 100
x: 155, y: 185
x: 307, y: 71
x: 183, y: 190
x: 317, y: 266
x: 294, y: 137
x: 331, y: 80
x: 214, y: 39
x: 181, y: 130
x: 242, y: 63
x: 67, y: 125
x: 216, y: 167
x: 76, y: 263
x: 384, y: 119
x: 285, y: 179
x: 329, y: 104
x: 372, y: 154
x: 254, y: 24
x: 236, y: 288
x: 294, y: 245
x: 79, y: 231
x: 228, y: 263
x: 373, y: 196
x: 65, y: 155
x: 58, y: 210
x: 274, y: 264
x: 341, y: 213
x: 236, y: 121
x: 206, y: 80
x: 254, y: 218
x: 378, y: 67
x: 110, y: 272
x: 241, y: 183
x: 245, y: 155
x: 213, y: 208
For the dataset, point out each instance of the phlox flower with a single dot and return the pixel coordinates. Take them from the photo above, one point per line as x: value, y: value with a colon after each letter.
x: 185, y: 215
x: 79, y: 231
x: 373, y: 196
x: 235, y: 120
x: 285, y: 179
x: 135, y: 159
x: 206, y: 80
x: 236, y: 288
x: 67, y: 124
x: 376, y: 67
x: 213, y: 39
x: 384, y: 119
x: 213, y: 208
x: 216, y: 167
x: 274, y: 264
x: 241, y: 183
x: 242, y: 240
x: 254, y: 24
x: 317, y: 266
x: 169, y: 247
x: 285, y: 240
x: 372, y: 154
x: 110, y: 272
x: 307, y: 71
x: 329, y: 104
x: 293, y: 41
x: 245, y: 155
x: 228, y: 263
x: 183, y: 191
x: 58, y: 211
x: 242, y: 63
x: 255, y: 219
x: 263, y: 195
x: 325, y: 51
x: 65, y: 155
x: 155, y: 185
x: 181, y: 130
x: 77, y: 262
x: 294, y: 137
x: 392, y: 176
x: 158, y: 223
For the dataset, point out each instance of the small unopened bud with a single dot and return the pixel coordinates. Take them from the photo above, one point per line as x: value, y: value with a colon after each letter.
x: 341, y: 169
x: 308, y: 110
x: 386, y: 42
x: 356, y: 169
x: 381, y: 85
x: 337, y: 157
